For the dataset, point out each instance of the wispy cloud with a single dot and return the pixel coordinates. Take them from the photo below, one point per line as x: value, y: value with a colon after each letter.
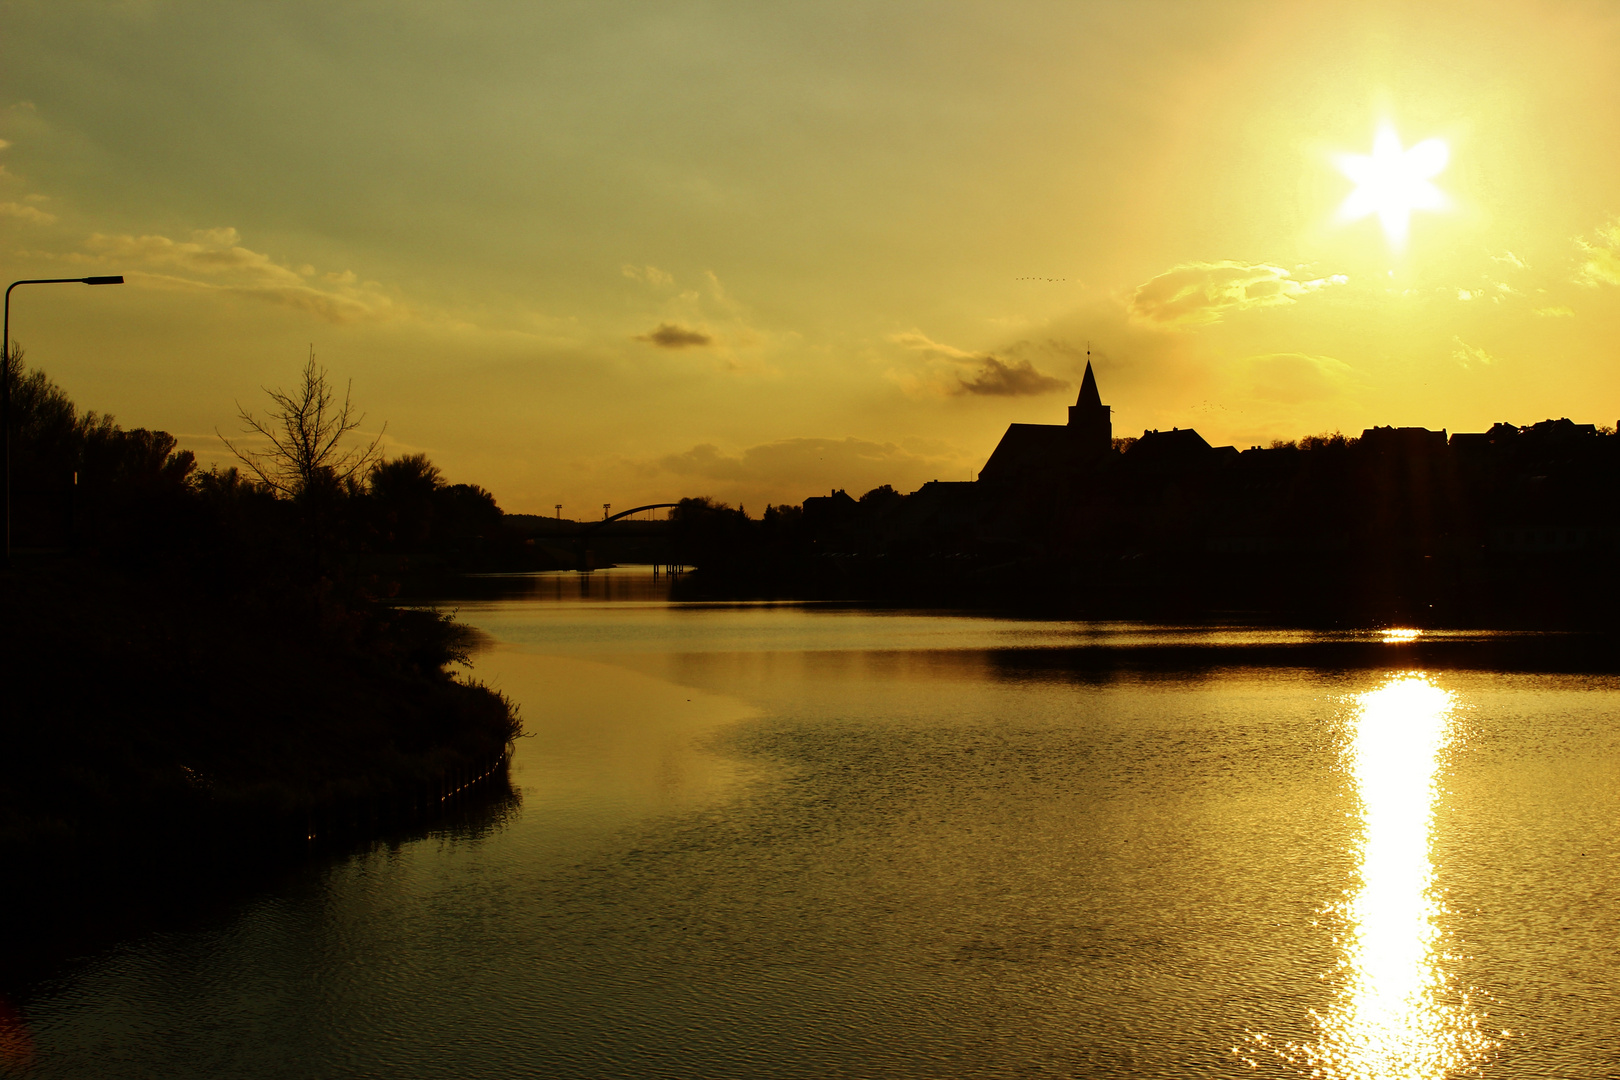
x: 1295, y: 378
x: 955, y: 371
x: 1017, y: 378
x: 215, y: 260
x: 674, y: 336
x: 1468, y: 355
x: 921, y: 342
x: 650, y: 274
x: 1195, y: 294
x: 24, y: 212
x: 208, y: 251
x: 708, y: 324
x: 1602, y: 263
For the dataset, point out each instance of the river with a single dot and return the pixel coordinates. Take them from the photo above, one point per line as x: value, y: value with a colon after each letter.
x: 798, y: 840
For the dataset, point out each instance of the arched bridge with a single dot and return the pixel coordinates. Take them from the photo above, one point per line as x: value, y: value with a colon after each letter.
x: 586, y: 557
x: 625, y: 513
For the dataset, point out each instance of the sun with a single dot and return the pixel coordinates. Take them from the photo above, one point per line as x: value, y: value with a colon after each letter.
x: 1392, y: 182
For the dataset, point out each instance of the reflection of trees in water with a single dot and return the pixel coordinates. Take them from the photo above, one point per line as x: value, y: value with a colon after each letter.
x: 1111, y: 662
x: 186, y: 891
x: 478, y: 815
x: 631, y: 583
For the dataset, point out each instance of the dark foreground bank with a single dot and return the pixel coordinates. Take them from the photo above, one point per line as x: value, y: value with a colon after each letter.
x: 206, y: 662
x: 147, y: 721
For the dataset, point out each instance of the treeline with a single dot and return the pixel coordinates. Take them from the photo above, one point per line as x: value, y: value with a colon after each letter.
x: 829, y: 547
x: 346, y: 528
x: 194, y: 652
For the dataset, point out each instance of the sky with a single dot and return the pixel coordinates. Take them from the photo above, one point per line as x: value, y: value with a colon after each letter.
x: 627, y: 253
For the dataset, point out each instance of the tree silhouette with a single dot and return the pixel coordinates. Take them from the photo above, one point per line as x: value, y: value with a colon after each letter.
x: 305, y: 429
x: 410, y: 477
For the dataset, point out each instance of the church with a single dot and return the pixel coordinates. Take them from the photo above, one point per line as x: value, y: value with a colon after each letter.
x: 1053, y: 451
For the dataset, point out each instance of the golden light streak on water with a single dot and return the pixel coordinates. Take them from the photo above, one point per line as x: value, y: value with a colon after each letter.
x: 1396, y: 634
x: 1396, y: 1017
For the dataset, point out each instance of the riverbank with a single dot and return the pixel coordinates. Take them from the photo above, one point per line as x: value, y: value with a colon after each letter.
x: 145, y: 717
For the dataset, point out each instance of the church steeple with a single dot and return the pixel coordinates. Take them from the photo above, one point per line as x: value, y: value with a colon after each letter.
x: 1089, y: 398
x: 1091, y: 423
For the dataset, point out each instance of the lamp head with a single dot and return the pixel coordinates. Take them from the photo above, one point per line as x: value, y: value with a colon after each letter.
x: 117, y: 279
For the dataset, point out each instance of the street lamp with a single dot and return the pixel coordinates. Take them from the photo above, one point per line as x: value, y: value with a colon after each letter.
x: 5, y: 382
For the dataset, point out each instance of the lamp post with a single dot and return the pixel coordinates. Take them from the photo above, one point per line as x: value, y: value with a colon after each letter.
x: 5, y: 382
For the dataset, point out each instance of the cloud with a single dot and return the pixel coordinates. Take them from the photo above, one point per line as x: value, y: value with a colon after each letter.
x: 650, y: 274
x: 334, y: 307
x: 209, y: 251
x: 955, y: 371
x: 214, y: 260
x: 1558, y: 312
x: 921, y: 342
x: 1602, y: 265
x: 1511, y: 260
x: 1468, y: 355
x: 1195, y: 294
x: 1295, y: 378
x: 24, y: 212
x: 796, y: 468
x: 674, y: 336
x: 710, y: 326
x: 996, y: 378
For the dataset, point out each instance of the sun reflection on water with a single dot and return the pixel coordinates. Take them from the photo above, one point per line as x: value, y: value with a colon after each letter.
x: 1396, y: 1017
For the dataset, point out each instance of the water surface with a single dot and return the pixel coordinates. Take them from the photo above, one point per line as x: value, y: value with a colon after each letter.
x: 787, y: 840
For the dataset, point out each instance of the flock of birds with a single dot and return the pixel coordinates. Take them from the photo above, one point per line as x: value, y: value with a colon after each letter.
x: 1040, y: 279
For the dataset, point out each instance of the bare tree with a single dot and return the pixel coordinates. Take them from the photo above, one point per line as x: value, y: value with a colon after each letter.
x: 305, y: 429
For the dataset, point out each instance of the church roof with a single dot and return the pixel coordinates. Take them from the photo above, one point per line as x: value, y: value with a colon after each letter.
x: 1027, y: 449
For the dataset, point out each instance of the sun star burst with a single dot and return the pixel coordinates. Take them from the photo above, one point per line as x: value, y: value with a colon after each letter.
x: 1392, y: 182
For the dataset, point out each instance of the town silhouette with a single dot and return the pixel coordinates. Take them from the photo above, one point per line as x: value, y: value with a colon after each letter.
x: 1506, y: 527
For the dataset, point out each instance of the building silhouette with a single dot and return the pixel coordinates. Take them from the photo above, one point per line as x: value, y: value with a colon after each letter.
x: 1513, y: 526
x: 1049, y: 451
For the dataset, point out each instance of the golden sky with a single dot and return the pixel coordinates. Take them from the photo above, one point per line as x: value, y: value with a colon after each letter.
x: 588, y: 253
